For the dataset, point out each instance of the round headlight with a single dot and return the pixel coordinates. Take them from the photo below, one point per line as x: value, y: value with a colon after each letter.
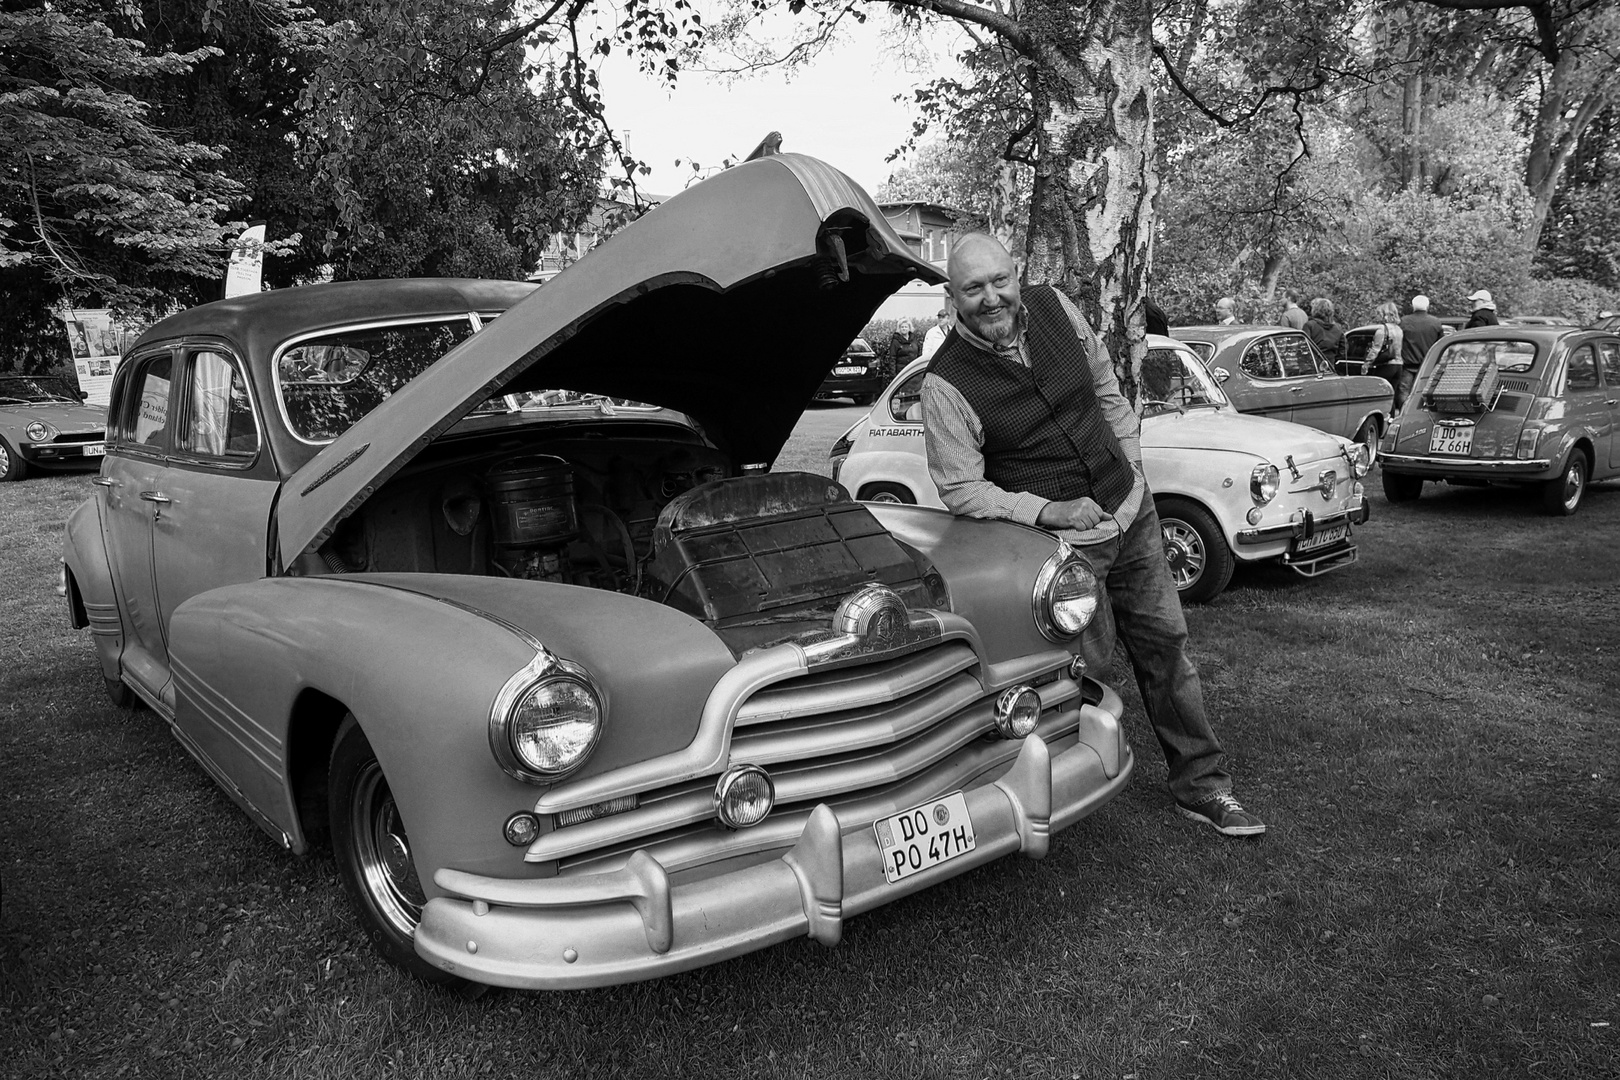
x: 1065, y: 595
x: 37, y: 432
x: 554, y: 725
x: 1018, y: 710
x: 743, y: 796
x: 1361, y: 460
x: 1263, y: 483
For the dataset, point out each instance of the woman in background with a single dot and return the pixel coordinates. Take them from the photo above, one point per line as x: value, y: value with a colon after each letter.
x: 1384, y: 352
x: 1326, y: 332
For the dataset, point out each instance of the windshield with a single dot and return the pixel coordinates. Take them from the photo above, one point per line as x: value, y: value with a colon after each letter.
x: 35, y: 389
x: 1174, y: 379
x: 330, y: 381
x: 1515, y: 356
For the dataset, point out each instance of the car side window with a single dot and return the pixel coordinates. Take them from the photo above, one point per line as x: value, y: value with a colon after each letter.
x: 1583, y: 372
x: 147, y: 422
x: 1296, y: 355
x: 905, y: 404
x: 1260, y: 361
x: 219, y: 415
x: 1610, y: 352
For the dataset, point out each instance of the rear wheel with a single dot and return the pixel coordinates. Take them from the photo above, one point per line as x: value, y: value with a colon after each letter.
x: 1399, y: 489
x: 374, y: 854
x: 1195, y: 548
x: 1562, y: 497
x: 12, y: 466
x: 886, y: 493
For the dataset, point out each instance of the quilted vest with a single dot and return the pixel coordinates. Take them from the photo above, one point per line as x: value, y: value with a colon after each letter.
x: 1043, y: 430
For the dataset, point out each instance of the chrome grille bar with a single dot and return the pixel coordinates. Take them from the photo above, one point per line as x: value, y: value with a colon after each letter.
x: 853, y: 687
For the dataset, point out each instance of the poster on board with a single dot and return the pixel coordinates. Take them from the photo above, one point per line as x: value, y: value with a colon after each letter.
x: 96, y: 342
x: 244, y: 273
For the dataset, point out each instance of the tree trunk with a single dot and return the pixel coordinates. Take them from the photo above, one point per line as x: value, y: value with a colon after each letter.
x: 1003, y: 213
x: 1574, y: 96
x: 1412, y: 130
x: 1090, y: 220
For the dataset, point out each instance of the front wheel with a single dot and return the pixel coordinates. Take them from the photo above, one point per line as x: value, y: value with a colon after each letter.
x: 12, y: 466
x: 1562, y: 497
x: 1399, y: 489
x: 1367, y: 435
x: 886, y: 493
x: 1200, y: 562
x: 374, y: 854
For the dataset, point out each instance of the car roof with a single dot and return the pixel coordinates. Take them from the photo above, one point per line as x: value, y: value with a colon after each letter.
x: 1218, y: 334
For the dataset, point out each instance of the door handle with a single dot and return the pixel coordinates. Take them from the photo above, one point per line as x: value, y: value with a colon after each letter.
x: 156, y: 497
x: 1296, y: 389
x: 104, y: 481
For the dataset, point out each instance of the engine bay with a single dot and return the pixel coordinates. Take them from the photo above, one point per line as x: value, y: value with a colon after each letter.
x: 758, y: 557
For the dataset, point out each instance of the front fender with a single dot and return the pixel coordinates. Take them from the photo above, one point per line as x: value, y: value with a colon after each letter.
x: 84, y: 551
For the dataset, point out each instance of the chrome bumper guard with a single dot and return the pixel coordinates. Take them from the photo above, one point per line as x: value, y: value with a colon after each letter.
x: 1356, y: 512
x: 1316, y: 563
x: 641, y: 922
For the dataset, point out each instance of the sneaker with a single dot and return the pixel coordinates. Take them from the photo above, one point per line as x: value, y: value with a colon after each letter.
x: 1223, y: 813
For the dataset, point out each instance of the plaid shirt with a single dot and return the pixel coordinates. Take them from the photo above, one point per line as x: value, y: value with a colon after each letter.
x: 956, y: 438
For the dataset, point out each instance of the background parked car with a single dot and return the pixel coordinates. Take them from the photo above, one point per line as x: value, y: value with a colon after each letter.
x: 45, y: 424
x: 1228, y: 487
x: 493, y: 585
x: 855, y: 376
x: 1277, y: 373
x: 1511, y: 405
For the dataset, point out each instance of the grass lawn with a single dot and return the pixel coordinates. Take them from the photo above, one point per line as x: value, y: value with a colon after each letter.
x: 1433, y: 736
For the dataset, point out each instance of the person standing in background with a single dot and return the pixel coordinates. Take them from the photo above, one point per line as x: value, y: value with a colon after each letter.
x: 1383, y: 357
x: 902, y: 349
x: 936, y: 333
x: 1419, y: 332
x: 1225, y: 311
x: 1325, y: 331
x: 1293, y: 315
x: 1484, y: 313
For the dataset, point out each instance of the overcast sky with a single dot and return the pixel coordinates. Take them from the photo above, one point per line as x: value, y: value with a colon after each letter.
x: 839, y: 108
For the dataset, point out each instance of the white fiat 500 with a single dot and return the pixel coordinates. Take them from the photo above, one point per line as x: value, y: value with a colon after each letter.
x: 1229, y: 488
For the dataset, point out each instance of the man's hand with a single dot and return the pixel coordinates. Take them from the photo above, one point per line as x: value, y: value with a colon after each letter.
x: 1077, y: 514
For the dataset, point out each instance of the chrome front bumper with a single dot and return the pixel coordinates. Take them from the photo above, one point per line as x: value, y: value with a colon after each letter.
x: 1356, y: 511
x: 641, y: 921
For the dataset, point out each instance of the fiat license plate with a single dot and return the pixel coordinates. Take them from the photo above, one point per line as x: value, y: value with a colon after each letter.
x: 95, y: 449
x: 926, y: 835
x: 1322, y: 539
x: 1451, y: 440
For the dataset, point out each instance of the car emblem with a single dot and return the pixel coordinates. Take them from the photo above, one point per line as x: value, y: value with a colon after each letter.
x: 1328, y: 480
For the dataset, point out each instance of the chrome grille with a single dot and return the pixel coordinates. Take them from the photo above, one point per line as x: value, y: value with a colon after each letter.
x: 839, y: 737
x: 81, y: 437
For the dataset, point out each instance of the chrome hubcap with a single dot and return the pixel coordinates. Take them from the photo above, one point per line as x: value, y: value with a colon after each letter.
x: 384, y: 852
x: 885, y: 497
x: 5, y: 459
x: 1573, y: 482
x: 1183, y: 551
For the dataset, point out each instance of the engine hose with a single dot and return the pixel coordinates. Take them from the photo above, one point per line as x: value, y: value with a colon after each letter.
x: 625, y: 538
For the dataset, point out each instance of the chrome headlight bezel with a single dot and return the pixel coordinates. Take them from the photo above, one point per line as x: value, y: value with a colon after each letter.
x: 38, y: 432
x: 545, y: 670
x: 1264, y: 482
x: 1063, y: 618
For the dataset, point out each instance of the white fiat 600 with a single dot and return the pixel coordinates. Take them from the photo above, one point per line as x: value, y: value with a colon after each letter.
x: 1229, y: 488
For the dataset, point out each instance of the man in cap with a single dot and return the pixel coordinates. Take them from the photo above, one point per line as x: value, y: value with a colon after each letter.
x: 936, y: 333
x: 1484, y: 313
x: 1024, y: 420
x: 1419, y: 332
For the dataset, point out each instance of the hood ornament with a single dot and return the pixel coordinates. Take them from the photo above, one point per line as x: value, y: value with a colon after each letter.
x: 871, y: 621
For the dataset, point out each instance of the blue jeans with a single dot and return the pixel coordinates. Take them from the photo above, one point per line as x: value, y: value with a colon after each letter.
x: 1144, y: 611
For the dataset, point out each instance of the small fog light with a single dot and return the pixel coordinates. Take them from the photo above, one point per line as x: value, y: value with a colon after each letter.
x: 1253, y: 515
x: 743, y: 796
x: 1077, y: 668
x: 522, y: 828
x: 1018, y: 710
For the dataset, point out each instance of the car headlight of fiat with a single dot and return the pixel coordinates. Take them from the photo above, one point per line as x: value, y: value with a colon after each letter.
x: 1065, y: 595
x: 1360, y: 459
x: 546, y: 720
x: 37, y: 432
x: 1263, y: 483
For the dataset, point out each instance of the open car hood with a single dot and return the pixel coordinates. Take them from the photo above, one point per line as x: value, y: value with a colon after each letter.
x: 728, y: 303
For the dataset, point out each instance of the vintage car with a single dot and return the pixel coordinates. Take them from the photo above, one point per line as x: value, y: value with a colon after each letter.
x: 45, y: 425
x: 1511, y: 405
x: 493, y: 587
x: 1276, y: 372
x: 1229, y: 488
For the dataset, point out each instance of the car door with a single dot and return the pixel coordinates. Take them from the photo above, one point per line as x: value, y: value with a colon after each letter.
x: 1586, y: 402
x: 213, y: 504
x: 1318, y: 395
x: 1260, y: 390
x: 138, y: 443
x: 1609, y: 361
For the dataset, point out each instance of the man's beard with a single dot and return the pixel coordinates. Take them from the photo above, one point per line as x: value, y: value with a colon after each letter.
x: 998, y: 329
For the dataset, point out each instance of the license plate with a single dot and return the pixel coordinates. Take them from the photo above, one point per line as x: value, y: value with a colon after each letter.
x: 95, y: 449
x: 1326, y: 537
x: 849, y: 371
x: 1451, y: 440
x: 927, y: 835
